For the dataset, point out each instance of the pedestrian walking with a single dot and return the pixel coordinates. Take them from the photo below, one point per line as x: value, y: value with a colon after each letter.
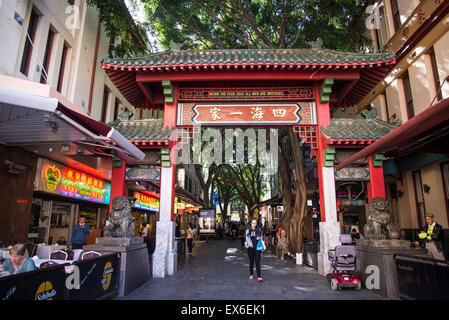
x: 272, y: 233
x: 79, y: 234
x: 145, y: 237
x: 253, y: 235
x: 433, y: 235
x: 190, y: 238
x: 234, y: 230
x: 282, y: 247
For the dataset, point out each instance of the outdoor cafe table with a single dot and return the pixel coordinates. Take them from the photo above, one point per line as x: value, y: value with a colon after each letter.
x: 44, y: 250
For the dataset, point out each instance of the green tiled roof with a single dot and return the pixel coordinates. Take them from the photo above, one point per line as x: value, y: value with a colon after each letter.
x: 148, y: 129
x: 357, y: 129
x: 249, y: 56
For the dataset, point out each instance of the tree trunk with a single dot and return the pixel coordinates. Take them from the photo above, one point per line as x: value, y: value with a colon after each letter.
x: 293, y: 218
x: 299, y: 210
x: 284, y: 170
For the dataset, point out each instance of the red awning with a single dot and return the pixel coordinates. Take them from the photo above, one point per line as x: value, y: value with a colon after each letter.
x: 27, y: 118
x: 89, y: 123
x: 417, y: 128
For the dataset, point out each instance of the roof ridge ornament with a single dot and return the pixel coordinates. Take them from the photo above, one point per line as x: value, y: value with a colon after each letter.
x: 369, y: 114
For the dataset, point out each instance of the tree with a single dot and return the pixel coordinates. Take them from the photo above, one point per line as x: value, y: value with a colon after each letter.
x: 215, y: 24
x: 119, y: 24
x: 247, y: 181
x: 226, y: 193
x: 208, y: 183
x: 294, y: 216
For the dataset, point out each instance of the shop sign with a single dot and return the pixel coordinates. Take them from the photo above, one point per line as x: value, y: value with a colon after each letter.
x: 146, y: 202
x: 61, y: 180
x: 207, y: 220
x: 180, y: 205
x: 181, y: 177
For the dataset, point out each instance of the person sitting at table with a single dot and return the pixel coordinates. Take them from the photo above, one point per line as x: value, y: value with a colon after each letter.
x: 17, y: 262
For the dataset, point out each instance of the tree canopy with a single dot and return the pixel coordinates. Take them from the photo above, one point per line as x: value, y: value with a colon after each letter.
x: 119, y: 24
x: 215, y: 24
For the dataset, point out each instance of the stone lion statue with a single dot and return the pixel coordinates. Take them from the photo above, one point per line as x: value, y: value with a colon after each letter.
x: 379, y: 225
x: 120, y: 222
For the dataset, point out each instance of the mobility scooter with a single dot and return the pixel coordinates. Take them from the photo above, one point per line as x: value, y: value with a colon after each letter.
x: 343, y: 259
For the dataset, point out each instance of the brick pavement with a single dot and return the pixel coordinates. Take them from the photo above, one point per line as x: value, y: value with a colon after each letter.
x: 218, y: 270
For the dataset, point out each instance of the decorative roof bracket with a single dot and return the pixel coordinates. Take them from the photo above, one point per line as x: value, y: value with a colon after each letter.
x: 168, y: 91
x: 326, y: 90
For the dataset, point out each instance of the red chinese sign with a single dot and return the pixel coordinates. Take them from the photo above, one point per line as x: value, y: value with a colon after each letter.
x: 265, y: 94
x: 146, y: 202
x: 68, y: 182
x: 245, y: 113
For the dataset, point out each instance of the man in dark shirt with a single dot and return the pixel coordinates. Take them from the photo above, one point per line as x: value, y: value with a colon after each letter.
x: 79, y: 234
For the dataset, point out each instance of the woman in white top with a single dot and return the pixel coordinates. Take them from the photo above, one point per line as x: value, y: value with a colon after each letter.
x: 145, y: 230
x: 190, y: 238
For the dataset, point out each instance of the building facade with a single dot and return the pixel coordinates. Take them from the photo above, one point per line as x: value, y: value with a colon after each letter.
x: 68, y: 46
x: 54, y: 49
x: 417, y: 32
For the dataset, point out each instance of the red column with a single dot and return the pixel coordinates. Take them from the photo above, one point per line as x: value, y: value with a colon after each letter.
x: 376, y: 185
x: 323, y: 119
x: 118, y: 185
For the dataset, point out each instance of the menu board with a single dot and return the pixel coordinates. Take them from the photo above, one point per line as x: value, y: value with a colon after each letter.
x: 64, y: 181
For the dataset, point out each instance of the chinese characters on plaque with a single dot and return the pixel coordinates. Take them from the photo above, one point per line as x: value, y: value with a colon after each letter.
x: 246, y: 113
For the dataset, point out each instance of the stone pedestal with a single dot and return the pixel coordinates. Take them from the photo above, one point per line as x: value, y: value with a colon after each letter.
x: 329, y: 239
x: 380, y: 253
x: 165, y: 256
x: 134, y: 262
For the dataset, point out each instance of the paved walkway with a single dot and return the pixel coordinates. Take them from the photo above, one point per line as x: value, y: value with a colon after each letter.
x: 218, y: 270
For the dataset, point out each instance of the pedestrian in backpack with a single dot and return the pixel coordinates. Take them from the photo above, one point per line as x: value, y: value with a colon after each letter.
x: 253, y: 235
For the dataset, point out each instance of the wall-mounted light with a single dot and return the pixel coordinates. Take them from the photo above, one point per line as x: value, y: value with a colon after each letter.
x: 17, y: 168
x: 426, y: 188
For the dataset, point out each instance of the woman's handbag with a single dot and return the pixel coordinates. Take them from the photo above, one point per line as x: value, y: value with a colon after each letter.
x: 261, y: 245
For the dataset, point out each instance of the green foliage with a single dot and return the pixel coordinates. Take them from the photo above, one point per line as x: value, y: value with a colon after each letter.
x: 118, y: 23
x: 216, y: 24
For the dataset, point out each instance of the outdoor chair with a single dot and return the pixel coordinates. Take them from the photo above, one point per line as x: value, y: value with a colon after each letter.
x: 70, y: 254
x: 90, y: 255
x: 59, y: 255
x: 48, y: 264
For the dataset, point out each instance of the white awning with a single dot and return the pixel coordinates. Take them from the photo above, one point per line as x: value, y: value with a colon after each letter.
x: 27, y: 118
